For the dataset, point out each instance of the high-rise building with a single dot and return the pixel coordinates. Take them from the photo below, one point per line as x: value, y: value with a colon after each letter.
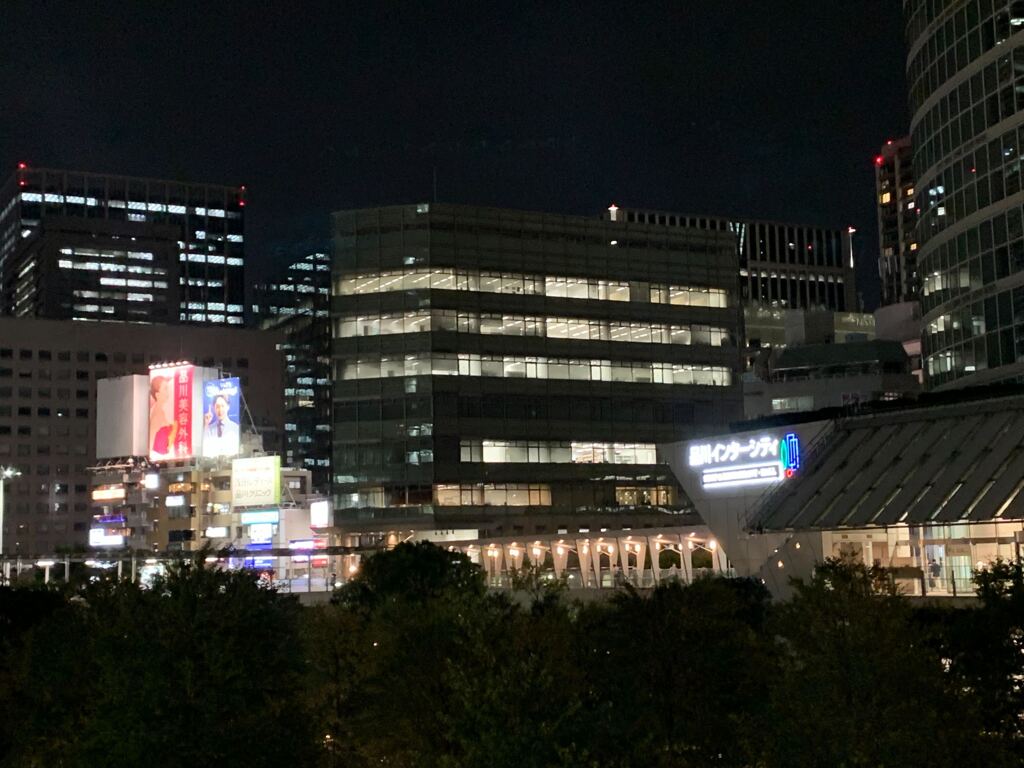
x: 897, y: 217
x: 48, y: 375
x: 297, y: 305
x: 787, y: 266
x: 88, y: 246
x: 507, y: 372
x: 966, y: 77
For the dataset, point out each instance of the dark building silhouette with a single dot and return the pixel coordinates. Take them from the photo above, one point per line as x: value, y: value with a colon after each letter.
x: 897, y: 219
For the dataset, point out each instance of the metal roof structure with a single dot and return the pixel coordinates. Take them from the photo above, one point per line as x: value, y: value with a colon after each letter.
x: 946, y: 464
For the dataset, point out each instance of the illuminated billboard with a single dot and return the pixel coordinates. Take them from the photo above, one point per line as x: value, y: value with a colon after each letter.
x: 100, y: 537
x: 319, y: 514
x: 754, y: 461
x: 108, y: 493
x: 222, y: 406
x: 261, y: 517
x: 172, y: 403
x: 256, y: 482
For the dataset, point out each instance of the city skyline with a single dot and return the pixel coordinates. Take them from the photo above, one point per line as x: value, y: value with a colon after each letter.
x: 530, y: 111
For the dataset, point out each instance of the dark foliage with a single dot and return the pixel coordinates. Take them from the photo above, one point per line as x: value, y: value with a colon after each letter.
x: 415, y: 663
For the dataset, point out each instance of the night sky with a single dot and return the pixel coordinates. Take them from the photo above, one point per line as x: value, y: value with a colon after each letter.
x: 763, y: 109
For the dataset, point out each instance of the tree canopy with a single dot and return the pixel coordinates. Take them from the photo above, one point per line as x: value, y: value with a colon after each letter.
x: 416, y: 663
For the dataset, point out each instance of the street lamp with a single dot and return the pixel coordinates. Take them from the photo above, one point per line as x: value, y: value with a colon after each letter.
x: 6, y: 473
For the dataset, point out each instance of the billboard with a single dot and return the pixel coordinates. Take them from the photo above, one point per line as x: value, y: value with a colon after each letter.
x: 108, y: 493
x: 222, y: 405
x: 319, y: 514
x: 122, y: 413
x: 256, y: 482
x: 100, y: 537
x: 172, y: 395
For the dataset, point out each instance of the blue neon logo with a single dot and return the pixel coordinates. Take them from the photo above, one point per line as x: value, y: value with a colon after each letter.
x: 789, y: 454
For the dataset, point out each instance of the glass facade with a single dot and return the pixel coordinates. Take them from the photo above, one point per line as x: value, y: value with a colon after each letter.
x: 789, y: 266
x: 98, y: 247
x: 296, y: 304
x: 966, y: 75
x: 512, y: 372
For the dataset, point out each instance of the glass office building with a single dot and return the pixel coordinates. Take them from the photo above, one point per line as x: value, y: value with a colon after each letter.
x: 296, y: 304
x: 87, y: 246
x: 965, y: 72
x: 504, y: 371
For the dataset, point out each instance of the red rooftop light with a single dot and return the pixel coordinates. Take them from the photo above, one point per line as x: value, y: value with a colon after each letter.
x: 22, y: 166
x: 879, y: 160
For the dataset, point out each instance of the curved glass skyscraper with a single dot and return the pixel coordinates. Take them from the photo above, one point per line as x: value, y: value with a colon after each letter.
x: 965, y: 72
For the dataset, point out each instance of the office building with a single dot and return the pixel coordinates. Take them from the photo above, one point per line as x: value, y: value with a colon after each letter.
x: 897, y: 219
x: 88, y: 246
x: 500, y: 371
x: 785, y: 266
x: 967, y: 127
x: 297, y: 305
x: 48, y: 375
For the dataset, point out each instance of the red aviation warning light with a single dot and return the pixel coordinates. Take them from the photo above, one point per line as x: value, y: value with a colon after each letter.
x: 241, y: 196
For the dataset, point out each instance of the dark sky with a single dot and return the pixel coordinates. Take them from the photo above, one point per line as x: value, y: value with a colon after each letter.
x: 761, y: 109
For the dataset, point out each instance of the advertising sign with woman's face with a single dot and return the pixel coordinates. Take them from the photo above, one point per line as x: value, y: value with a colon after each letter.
x: 170, y: 412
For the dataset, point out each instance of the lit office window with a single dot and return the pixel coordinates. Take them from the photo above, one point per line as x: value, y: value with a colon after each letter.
x: 546, y: 452
x: 504, y: 495
x: 529, y: 325
x: 511, y: 283
x: 517, y: 367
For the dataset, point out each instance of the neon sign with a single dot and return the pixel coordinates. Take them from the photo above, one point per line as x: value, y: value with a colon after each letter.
x: 757, y: 461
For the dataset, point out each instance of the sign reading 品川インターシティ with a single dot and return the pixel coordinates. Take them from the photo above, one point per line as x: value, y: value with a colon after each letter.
x: 751, y: 461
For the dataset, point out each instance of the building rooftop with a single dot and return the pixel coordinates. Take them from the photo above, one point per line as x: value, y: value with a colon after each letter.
x: 940, y: 464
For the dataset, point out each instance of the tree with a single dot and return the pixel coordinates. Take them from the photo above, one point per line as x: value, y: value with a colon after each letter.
x: 417, y: 665
x: 856, y: 682
x: 985, y: 648
x: 412, y: 571
x: 204, y: 668
x: 674, y: 677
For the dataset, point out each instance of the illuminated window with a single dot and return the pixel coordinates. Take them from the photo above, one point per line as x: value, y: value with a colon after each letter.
x: 535, y: 368
x: 509, y: 494
x: 529, y: 325
x: 495, y: 282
